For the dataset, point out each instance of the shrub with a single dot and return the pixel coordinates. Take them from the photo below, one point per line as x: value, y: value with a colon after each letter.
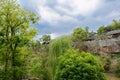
x: 79, y: 66
x: 118, y: 68
x: 106, y: 62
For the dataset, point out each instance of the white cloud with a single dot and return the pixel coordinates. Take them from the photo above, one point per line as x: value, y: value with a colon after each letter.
x: 78, y: 7
x: 52, y: 17
x: 68, y: 8
x: 48, y: 15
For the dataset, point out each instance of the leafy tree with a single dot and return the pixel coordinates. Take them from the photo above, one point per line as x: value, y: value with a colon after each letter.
x: 79, y: 66
x: 79, y: 34
x: 57, y: 47
x: 101, y: 30
x: 114, y: 26
x: 15, y: 33
x: 46, y: 38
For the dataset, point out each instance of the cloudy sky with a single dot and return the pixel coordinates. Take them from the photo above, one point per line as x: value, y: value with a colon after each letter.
x: 59, y: 17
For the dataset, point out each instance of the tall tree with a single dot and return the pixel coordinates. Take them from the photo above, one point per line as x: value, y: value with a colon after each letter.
x: 57, y: 47
x: 15, y: 33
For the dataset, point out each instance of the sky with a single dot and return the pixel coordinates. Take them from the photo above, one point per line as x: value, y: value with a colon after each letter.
x: 61, y: 17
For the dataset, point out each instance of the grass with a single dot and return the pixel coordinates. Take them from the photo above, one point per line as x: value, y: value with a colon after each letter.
x: 112, y: 77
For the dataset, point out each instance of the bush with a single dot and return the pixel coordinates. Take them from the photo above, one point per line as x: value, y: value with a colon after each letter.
x: 106, y: 62
x: 79, y: 66
x: 38, y: 68
x: 118, y: 68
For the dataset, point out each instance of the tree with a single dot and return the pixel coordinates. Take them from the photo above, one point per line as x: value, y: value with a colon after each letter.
x: 79, y: 34
x: 101, y: 30
x: 114, y: 26
x: 79, y: 66
x: 15, y: 33
x: 57, y: 47
x: 46, y: 38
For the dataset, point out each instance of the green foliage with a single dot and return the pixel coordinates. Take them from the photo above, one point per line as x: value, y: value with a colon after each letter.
x: 38, y: 64
x: 118, y: 68
x: 79, y: 34
x: 79, y: 66
x: 15, y: 33
x: 101, y: 30
x: 87, y: 31
x: 38, y: 67
x: 114, y: 26
x: 58, y: 47
x: 46, y: 38
x: 105, y: 61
